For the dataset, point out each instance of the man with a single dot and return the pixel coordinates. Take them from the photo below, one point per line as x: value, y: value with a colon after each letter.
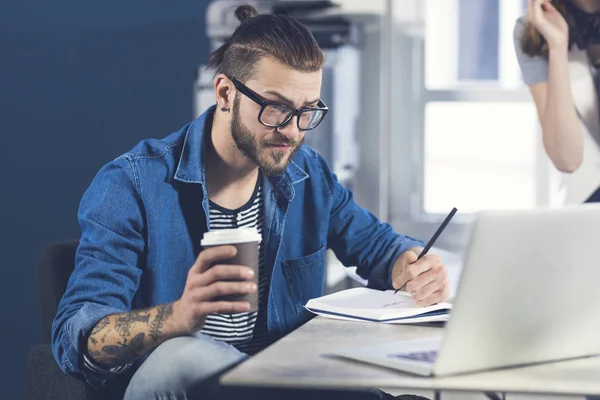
x: 142, y: 298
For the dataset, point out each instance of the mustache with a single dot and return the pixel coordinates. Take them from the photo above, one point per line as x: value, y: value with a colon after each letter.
x: 282, y: 142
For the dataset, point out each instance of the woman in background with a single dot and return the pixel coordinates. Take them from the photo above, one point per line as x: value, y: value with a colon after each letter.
x: 558, y: 48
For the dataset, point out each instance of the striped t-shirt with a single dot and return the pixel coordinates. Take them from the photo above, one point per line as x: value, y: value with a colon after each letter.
x: 246, y: 331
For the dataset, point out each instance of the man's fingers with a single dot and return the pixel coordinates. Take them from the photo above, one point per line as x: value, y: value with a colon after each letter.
x: 220, y: 272
x: 435, y: 298
x: 423, y: 280
x: 218, y: 289
x: 424, y: 264
x: 210, y: 256
x: 423, y: 293
x: 428, y: 283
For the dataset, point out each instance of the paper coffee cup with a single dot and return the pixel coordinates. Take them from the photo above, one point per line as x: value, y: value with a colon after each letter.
x: 246, y: 241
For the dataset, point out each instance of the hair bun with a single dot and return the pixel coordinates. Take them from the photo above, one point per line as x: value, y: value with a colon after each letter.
x: 245, y: 12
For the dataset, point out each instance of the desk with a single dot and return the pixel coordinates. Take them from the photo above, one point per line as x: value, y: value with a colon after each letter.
x: 296, y: 361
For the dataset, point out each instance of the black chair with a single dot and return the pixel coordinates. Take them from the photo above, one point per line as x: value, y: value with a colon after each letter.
x: 45, y: 380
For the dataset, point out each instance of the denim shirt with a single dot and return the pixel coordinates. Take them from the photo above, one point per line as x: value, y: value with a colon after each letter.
x: 144, y: 214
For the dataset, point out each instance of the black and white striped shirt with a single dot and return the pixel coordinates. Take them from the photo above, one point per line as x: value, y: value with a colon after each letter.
x: 246, y: 331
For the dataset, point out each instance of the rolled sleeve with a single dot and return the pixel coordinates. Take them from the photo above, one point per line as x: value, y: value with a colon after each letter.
x: 533, y: 69
x: 107, y: 266
x: 360, y: 239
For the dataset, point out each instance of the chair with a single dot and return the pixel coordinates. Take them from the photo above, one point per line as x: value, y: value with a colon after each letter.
x: 45, y: 380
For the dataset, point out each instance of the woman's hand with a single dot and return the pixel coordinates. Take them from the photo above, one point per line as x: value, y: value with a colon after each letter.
x: 549, y: 22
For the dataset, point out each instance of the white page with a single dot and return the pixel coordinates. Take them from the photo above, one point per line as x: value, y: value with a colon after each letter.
x: 409, y: 320
x: 370, y: 303
x: 363, y: 298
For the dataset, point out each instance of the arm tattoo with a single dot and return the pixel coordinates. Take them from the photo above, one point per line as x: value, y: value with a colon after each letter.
x: 157, y: 324
x: 125, y: 352
x: 123, y: 338
x: 100, y: 325
x: 126, y: 321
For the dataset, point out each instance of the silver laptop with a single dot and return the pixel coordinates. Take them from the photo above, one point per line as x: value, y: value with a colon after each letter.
x: 529, y: 293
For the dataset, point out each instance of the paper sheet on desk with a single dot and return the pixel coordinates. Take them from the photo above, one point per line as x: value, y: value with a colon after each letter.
x: 417, y: 320
x: 363, y: 304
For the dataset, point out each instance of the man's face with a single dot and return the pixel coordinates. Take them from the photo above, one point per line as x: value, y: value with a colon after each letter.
x: 272, y: 148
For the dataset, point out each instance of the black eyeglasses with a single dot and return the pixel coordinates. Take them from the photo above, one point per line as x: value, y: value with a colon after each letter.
x: 275, y: 115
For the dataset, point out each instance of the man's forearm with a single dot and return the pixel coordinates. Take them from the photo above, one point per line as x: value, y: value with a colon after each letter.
x: 120, y: 339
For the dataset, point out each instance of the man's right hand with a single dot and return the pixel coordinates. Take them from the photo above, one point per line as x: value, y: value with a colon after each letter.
x: 549, y: 22
x: 208, y: 280
x: 120, y: 339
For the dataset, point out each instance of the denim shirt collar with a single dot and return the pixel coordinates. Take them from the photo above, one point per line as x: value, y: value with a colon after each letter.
x: 190, y: 168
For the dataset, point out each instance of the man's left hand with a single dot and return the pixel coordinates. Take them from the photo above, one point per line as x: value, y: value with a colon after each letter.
x: 426, y: 279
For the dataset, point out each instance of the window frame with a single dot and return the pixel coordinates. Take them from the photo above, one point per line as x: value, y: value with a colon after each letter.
x: 405, y: 124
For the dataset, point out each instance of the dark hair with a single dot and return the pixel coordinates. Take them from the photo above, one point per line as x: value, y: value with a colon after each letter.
x: 258, y: 36
x: 532, y: 41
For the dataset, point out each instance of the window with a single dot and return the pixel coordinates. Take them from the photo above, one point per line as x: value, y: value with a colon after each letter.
x: 479, y: 154
x: 479, y: 142
x: 471, y: 42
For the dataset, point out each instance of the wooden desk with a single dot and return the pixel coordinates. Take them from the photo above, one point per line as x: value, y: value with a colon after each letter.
x: 297, y: 361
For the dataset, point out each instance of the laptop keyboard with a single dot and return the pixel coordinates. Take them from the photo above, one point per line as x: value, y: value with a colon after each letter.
x: 423, y: 356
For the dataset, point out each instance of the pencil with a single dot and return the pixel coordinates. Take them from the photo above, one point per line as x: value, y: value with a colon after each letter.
x: 437, y: 233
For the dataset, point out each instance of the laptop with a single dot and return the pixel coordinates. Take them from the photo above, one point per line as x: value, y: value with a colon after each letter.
x: 529, y: 293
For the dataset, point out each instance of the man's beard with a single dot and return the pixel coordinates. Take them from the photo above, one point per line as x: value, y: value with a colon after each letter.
x: 269, y: 162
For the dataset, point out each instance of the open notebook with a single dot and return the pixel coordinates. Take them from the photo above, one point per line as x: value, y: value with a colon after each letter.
x: 363, y: 304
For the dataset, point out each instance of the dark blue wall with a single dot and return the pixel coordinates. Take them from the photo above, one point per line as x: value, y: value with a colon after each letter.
x: 80, y: 83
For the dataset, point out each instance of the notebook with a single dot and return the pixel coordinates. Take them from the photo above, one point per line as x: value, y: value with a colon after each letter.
x: 363, y: 304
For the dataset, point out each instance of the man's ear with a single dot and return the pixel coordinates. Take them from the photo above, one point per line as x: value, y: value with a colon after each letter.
x: 224, y: 92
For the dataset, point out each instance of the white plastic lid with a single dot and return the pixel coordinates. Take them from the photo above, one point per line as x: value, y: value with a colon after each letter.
x: 230, y: 236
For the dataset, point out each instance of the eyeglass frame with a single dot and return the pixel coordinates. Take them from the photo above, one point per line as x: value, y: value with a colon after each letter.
x: 264, y: 103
